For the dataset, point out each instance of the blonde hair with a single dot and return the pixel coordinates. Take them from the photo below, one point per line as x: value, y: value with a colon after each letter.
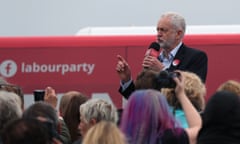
x: 194, y: 88
x: 104, y: 132
x: 231, y: 86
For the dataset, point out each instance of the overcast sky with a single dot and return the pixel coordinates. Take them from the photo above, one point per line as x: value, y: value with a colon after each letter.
x: 66, y: 17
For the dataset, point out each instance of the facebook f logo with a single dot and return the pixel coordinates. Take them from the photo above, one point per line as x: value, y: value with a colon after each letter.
x: 8, y: 68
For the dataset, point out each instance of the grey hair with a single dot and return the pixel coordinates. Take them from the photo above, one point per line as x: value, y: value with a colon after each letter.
x: 10, y: 108
x: 177, y: 20
x: 99, y: 110
x: 3, y: 81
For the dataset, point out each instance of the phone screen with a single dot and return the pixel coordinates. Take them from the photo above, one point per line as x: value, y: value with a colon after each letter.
x: 38, y: 95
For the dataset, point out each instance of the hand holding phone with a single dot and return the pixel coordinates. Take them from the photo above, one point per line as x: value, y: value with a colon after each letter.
x: 51, y: 96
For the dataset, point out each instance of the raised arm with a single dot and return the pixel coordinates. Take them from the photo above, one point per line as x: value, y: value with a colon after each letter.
x: 193, y: 117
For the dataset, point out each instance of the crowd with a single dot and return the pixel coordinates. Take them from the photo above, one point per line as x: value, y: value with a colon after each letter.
x: 166, y: 104
x: 150, y: 116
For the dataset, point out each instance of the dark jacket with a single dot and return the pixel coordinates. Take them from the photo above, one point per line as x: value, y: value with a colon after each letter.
x: 189, y: 59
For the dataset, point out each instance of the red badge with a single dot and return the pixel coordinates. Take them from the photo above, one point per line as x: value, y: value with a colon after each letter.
x: 175, y: 62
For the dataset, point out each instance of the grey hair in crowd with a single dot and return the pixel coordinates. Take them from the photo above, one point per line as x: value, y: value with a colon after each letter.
x: 10, y: 108
x: 99, y: 110
x: 177, y: 20
x: 3, y: 81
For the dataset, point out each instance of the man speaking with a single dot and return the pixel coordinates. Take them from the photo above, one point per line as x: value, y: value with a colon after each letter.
x: 174, y: 55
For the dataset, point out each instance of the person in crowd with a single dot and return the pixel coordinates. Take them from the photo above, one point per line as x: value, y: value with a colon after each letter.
x: 94, y: 111
x: 174, y: 55
x: 69, y: 109
x: 104, y: 132
x: 146, y: 80
x: 44, y: 112
x: 147, y: 118
x: 10, y: 108
x: 230, y: 85
x: 27, y: 131
x: 221, y: 119
x: 4, y: 85
x: 64, y: 101
x: 51, y: 98
x: 194, y: 89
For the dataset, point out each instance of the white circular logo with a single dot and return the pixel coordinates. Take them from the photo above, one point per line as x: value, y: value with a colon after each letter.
x: 8, y: 68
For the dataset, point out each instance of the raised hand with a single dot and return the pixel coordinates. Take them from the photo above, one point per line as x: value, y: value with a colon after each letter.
x: 123, y: 69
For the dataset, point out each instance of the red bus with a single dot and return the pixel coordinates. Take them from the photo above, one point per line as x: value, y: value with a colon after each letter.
x: 87, y: 63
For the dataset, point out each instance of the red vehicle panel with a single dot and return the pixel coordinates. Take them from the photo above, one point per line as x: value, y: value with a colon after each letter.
x: 87, y: 63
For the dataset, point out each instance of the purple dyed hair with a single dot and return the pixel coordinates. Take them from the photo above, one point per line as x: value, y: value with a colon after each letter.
x: 146, y: 117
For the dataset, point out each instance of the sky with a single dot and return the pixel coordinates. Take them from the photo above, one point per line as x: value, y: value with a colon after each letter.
x: 66, y: 17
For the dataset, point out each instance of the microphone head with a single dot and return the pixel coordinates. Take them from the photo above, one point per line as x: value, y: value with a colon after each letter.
x: 154, y: 45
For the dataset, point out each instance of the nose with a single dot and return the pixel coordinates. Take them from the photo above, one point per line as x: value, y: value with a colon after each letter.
x: 79, y: 125
x: 159, y: 36
x: 159, y: 33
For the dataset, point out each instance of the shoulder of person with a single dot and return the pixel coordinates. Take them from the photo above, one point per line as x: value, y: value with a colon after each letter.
x: 193, y: 50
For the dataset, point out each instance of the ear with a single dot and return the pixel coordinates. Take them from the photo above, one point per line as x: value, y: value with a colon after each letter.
x: 179, y: 34
x: 60, y: 113
x: 93, y: 122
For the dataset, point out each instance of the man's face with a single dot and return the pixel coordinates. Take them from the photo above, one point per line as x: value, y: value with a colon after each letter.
x: 166, y: 34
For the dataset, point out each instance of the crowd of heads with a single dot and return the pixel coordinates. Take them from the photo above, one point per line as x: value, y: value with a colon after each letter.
x: 43, y: 123
x: 139, y: 121
x: 149, y: 116
x: 145, y: 118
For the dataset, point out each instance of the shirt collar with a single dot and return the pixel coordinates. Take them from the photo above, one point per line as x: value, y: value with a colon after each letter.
x: 172, y: 53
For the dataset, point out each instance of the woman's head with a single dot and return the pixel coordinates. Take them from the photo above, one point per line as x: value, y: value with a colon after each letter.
x: 64, y: 101
x: 41, y: 109
x: 146, y: 116
x: 221, y: 119
x: 94, y: 111
x: 223, y: 108
x: 10, y: 108
x: 231, y: 86
x: 27, y: 131
x: 194, y: 88
x: 6, y: 86
x: 146, y: 79
x: 71, y: 102
x: 104, y: 132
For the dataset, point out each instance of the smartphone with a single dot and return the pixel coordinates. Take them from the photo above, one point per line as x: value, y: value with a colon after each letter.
x: 38, y: 95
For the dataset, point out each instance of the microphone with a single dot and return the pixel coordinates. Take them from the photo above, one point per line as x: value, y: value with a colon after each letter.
x: 153, y: 50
